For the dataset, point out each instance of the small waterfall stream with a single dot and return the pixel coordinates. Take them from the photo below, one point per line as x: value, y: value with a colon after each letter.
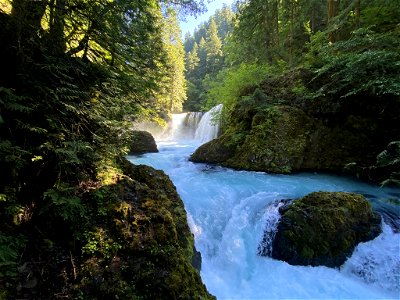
x: 231, y: 212
x: 198, y: 126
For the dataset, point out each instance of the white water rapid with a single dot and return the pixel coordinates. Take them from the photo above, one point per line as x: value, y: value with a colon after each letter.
x: 228, y: 212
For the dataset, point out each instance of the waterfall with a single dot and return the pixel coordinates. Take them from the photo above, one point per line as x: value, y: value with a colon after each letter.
x: 209, y: 125
x: 202, y: 127
x: 192, y: 119
x: 270, y: 219
x: 176, y: 128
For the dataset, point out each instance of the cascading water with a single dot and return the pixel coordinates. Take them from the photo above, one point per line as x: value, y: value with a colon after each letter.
x: 209, y: 125
x: 177, y: 129
x: 271, y: 220
x: 199, y: 126
x: 231, y: 212
x: 192, y: 119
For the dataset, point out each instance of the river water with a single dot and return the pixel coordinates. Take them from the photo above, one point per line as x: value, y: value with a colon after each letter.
x: 228, y: 212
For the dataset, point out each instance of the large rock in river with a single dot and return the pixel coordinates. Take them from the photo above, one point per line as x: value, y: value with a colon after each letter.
x: 283, y: 139
x: 142, y: 142
x: 323, y: 228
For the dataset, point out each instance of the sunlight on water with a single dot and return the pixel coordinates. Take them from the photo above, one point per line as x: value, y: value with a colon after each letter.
x: 229, y: 210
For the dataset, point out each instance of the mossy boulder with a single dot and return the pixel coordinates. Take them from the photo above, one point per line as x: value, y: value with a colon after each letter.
x: 142, y: 142
x: 283, y: 139
x: 323, y: 228
x: 274, y: 140
x: 149, y: 243
x: 128, y: 240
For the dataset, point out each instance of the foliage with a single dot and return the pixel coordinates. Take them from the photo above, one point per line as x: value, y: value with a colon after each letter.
x: 75, y: 75
x: 173, y: 89
x: 205, y: 57
x: 354, y: 50
x: 10, y: 247
x: 61, y: 202
x: 100, y: 244
x: 234, y: 82
x: 368, y: 63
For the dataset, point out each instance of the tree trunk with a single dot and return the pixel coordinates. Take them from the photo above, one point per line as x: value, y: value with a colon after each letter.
x: 333, y: 11
x: 357, y: 12
x: 313, y: 21
x: 27, y: 16
x: 56, y: 33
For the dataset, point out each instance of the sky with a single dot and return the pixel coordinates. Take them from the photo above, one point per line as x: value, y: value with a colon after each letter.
x: 192, y: 22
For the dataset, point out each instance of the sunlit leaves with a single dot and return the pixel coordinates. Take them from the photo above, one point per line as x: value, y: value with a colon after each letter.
x: 368, y: 62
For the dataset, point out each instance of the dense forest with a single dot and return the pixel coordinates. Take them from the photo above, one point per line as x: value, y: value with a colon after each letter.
x: 241, y: 46
x: 76, y: 74
x: 334, y: 62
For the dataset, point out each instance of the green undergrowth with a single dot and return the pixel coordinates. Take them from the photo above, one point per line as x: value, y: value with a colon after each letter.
x: 129, y: 239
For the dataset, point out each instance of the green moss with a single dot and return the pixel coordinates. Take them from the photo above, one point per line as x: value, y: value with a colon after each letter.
x: 323, y: 228
x: 154, y: 258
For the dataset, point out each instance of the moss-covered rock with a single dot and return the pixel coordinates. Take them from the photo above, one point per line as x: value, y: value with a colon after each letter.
x: 129, y: 240
x: 142, y: 142
x: 145, y: 250
x: 286, y: 124
x: 323, y: 228
x: 271, y: 139
x: 283, y: 139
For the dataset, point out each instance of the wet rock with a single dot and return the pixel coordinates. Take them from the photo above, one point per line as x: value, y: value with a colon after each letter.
x: 323, y: 228
x: 196, y: 259
x: 142, y: 142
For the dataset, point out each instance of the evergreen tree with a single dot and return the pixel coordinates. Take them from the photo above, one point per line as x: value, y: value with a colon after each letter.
x: 213, y: 49
x: 192, y: 60
x: 205, y: 56
x: 74, y: 74
x: 174, y: 89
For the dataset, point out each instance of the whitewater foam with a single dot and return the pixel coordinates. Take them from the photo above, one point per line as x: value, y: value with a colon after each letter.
x: 228, y: 211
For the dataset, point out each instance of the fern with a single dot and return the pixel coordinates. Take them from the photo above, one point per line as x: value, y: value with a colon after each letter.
x: 9, y: 249
x: 368, y: 62
x: 61, y: 202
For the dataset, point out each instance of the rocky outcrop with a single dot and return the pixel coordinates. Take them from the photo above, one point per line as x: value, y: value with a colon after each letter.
x: 127, y: 238
x: 323, y: 228
x: 283, y: 139
x: 142, y: 142
x: 152, y: 247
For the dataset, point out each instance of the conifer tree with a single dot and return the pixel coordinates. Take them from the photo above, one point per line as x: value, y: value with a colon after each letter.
x: 174, y: 90
x: 213, y: 48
